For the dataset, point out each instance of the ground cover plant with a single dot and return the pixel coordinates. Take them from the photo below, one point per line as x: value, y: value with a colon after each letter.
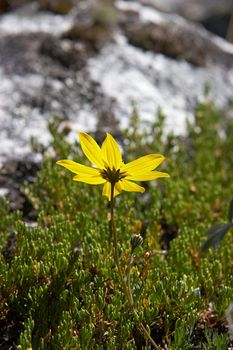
x: 116, y: 176
x: 59, y: 282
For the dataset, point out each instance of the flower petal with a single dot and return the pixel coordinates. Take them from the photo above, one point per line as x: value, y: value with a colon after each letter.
x: 111, y: 152
x: 107, y: 191
x: 92, y: 180
x: 143, y: 164
x: 91, y: 149
x: 131, y: 186
x: 152, y: 175
x: 78, y: 168
x: 118, y: 187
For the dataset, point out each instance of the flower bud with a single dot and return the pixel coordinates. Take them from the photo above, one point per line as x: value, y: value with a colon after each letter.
x: 136, y: 241
x: 146, y: 255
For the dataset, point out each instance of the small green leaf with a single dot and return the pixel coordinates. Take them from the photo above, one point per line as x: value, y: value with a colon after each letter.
x: 230, y: 211
x: 216, y: 234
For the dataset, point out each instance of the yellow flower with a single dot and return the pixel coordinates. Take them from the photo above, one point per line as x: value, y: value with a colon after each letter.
x: 110, y: 170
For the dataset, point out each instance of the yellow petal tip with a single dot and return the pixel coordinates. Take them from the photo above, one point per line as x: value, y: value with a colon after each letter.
x: 81, y: 133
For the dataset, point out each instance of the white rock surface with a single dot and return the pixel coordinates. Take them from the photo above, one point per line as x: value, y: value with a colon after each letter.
x: 125, y: 73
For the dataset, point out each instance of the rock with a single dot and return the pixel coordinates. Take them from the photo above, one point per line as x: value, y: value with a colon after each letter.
x: 94, y: 22
x: 28, y: 19
x: 4, y: 6
x: 220, y: 24
x: 96, y: 36
x: 42, y: 75
x: 194, y: 10
x: 214, y: 15
x: 13, y: 174
x: 70, y: 54
x: 106, y: 115
x: 57, y: 6
x: 173, y: 36
x: 22, y: 54
x: 7, y: 5
x: 94, y: 80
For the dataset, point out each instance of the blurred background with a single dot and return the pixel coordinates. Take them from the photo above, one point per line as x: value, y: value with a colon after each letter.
x: 95, y: 63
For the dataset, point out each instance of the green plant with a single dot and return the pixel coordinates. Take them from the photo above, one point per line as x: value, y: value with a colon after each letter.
x: 218, y: 231
x: 181, y: 296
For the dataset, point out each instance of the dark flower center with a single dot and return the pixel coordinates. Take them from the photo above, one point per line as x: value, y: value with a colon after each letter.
x: 112, y: 175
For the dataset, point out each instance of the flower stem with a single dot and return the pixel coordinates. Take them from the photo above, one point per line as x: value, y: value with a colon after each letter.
x: 126, y: 288
x: 128, y: 276
x: 116, y: 254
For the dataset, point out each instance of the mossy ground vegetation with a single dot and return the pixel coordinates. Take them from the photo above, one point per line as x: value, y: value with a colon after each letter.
x: 59, y: 284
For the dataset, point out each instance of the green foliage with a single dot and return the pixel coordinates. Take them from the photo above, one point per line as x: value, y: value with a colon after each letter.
x: 230, y: 212
x: 59, y: 284
x: 218, y: 231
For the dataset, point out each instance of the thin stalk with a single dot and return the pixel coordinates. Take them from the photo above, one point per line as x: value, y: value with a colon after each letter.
x: 128, y: 275
x: 125, y: 287
x: 115, y: 244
